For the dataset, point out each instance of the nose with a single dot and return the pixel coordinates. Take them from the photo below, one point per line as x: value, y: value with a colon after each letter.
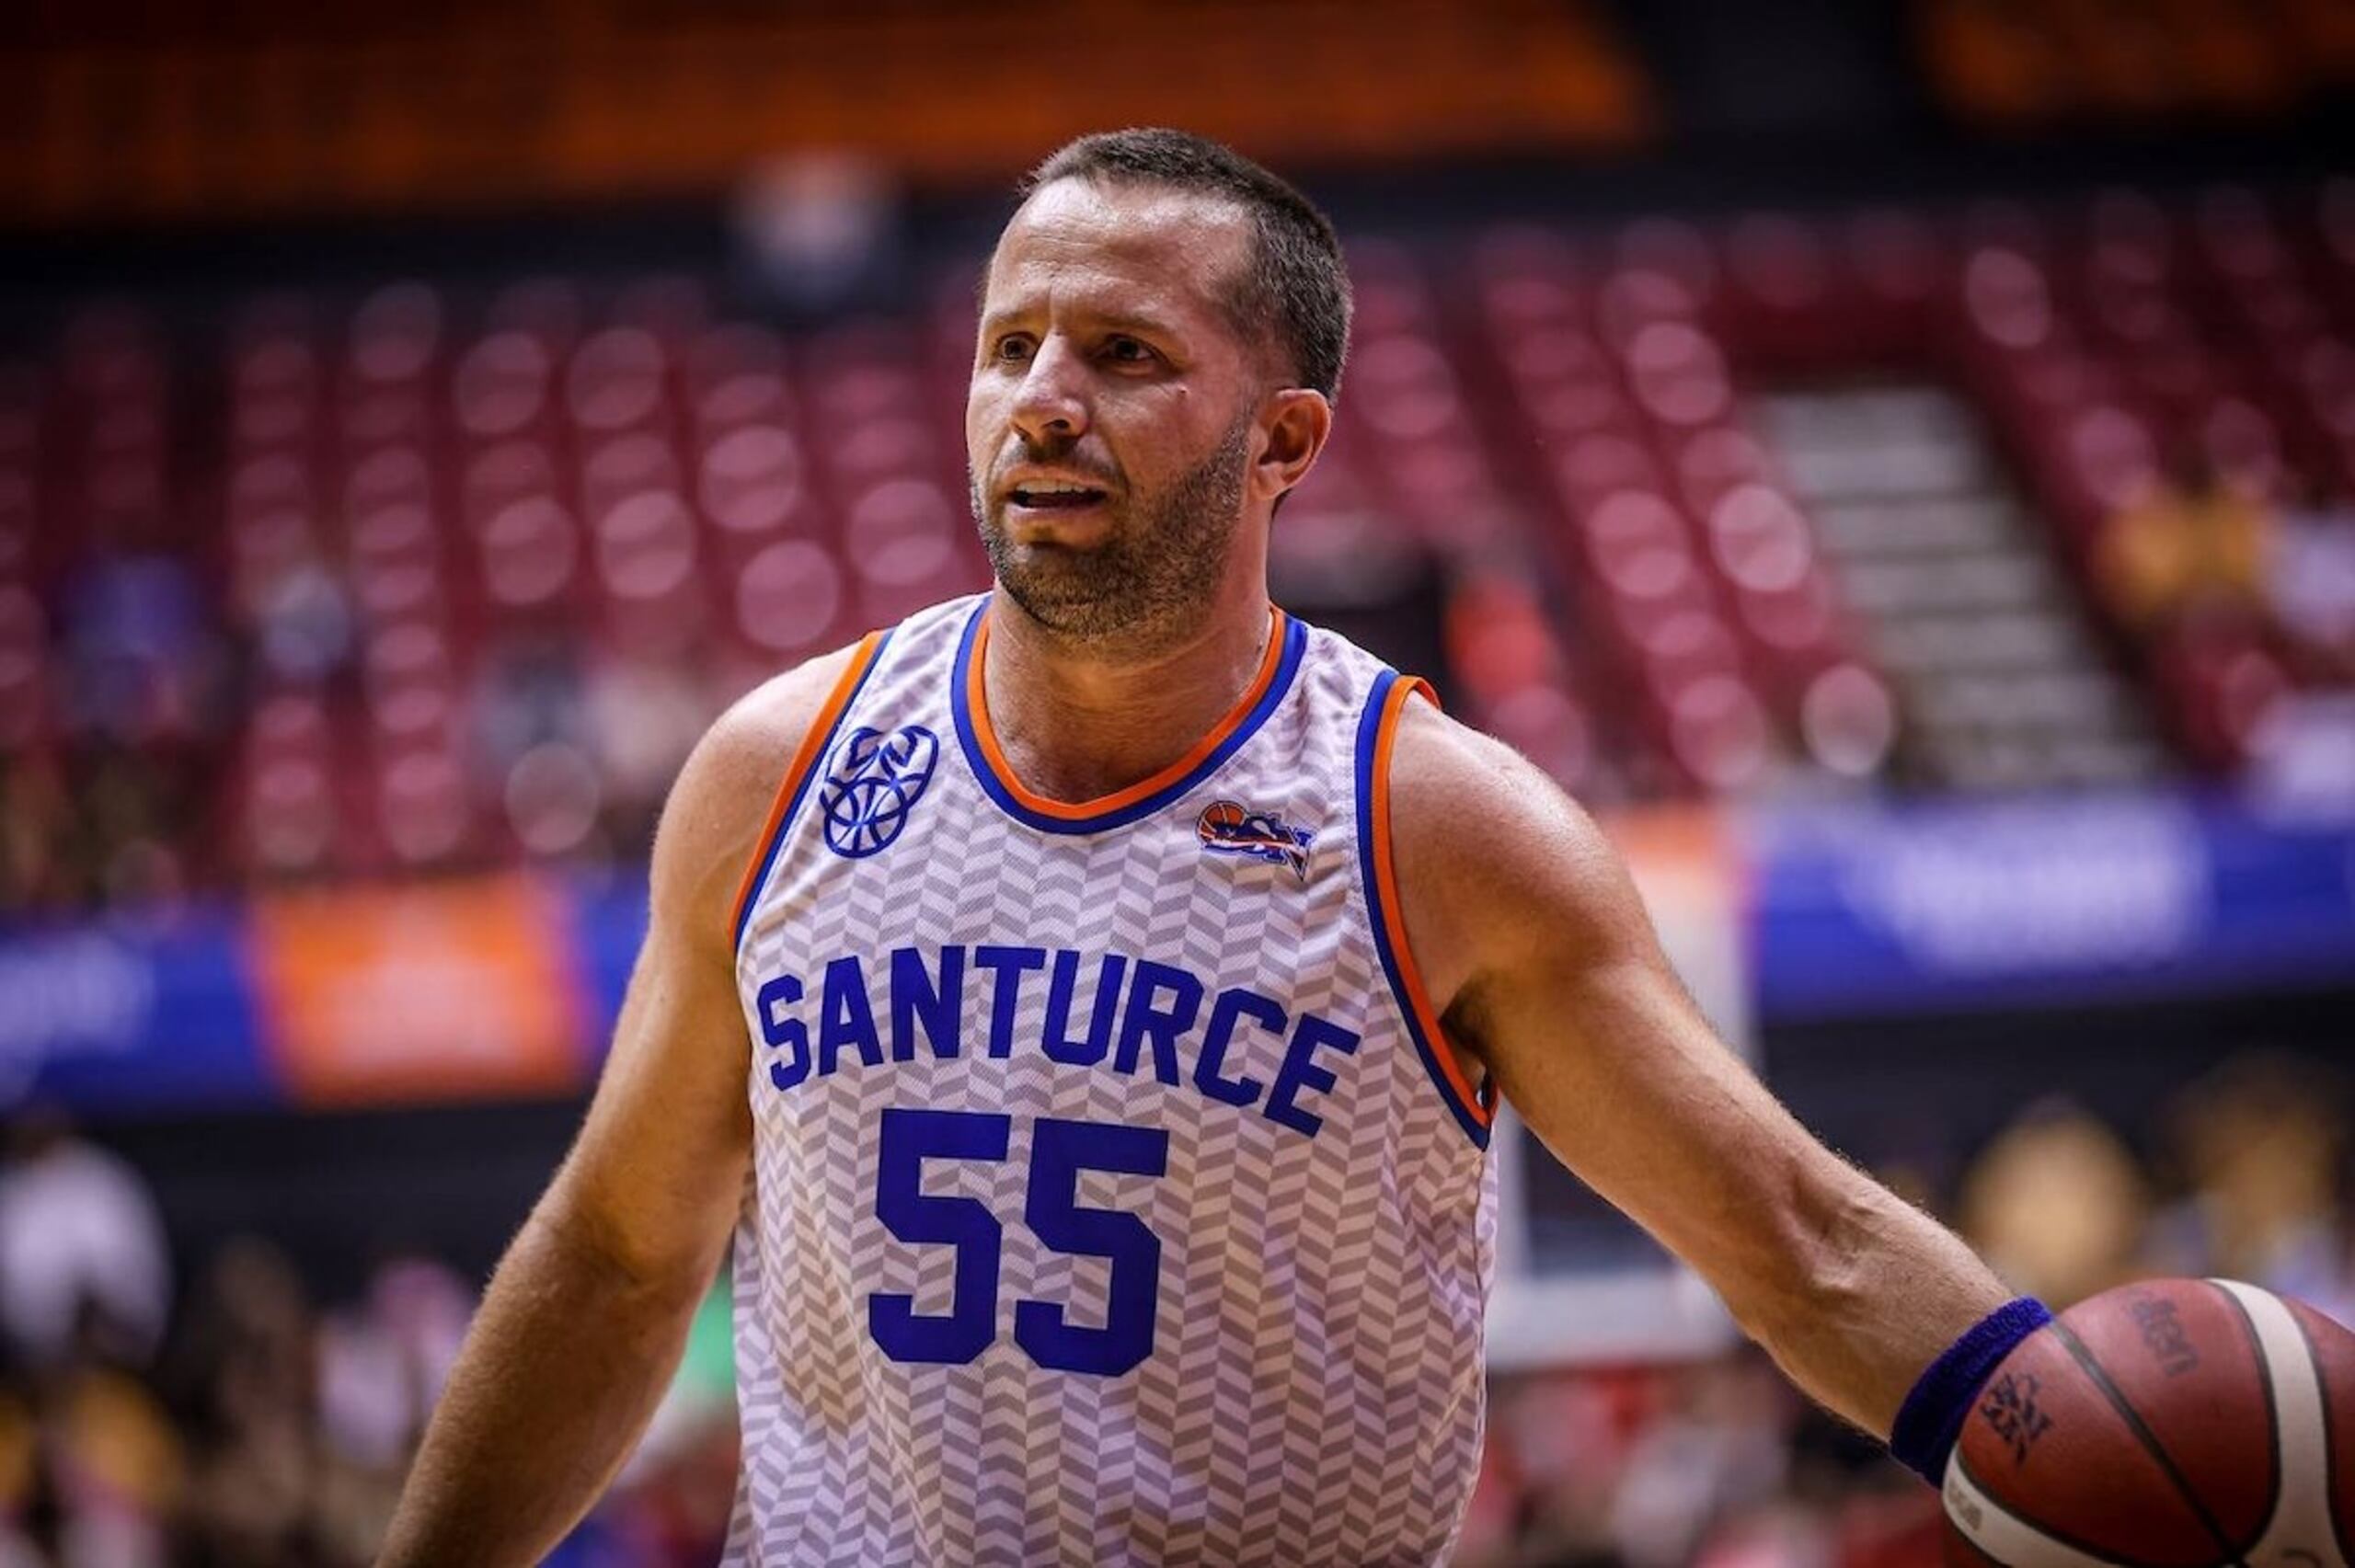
x: 1050, y: 405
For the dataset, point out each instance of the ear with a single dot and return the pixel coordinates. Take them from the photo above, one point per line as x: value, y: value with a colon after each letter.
x: 1297, y: 422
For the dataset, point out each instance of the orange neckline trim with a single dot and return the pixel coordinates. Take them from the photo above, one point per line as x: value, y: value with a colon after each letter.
x: 1393, y: 911
x: 985, y: 734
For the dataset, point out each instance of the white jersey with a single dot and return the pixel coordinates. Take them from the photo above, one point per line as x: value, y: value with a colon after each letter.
x: 1114, y: 1198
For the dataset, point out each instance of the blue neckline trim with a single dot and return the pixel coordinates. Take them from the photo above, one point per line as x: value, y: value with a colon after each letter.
x: 802, y: 789
x: 1287, y: 666
x: 1369, y: 734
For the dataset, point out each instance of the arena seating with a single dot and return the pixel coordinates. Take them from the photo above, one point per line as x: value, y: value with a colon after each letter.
x: 431, y: 575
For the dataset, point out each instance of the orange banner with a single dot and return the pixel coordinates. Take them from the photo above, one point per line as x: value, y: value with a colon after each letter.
x: 442, y: 991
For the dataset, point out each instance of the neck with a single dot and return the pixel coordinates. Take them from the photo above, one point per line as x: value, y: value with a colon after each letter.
x: 1076, y: 723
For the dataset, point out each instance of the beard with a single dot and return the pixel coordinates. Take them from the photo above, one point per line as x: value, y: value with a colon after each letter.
x: 1153, y: 576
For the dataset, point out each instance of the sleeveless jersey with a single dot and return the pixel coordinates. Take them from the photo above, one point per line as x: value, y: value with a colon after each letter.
x: 1113, y: 1198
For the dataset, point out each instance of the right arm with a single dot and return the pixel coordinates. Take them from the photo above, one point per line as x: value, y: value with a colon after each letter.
x: 585, y: 1319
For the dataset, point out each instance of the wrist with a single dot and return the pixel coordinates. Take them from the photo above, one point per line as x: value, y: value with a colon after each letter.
x: 1932, y: 1416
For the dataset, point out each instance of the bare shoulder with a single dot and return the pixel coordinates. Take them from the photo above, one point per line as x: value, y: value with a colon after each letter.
x: 1493, y: 858
x: 711, y: 826
x: 1460, y: 794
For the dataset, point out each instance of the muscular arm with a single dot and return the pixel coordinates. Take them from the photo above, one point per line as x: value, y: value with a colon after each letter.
x: 585, y: 1319
x: 1547, y: 973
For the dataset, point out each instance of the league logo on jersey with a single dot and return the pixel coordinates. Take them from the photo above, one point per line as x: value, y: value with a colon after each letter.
x: 876, y: 782
x: 1229, y: 828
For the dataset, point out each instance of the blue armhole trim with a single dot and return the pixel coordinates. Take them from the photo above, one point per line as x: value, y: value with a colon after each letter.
x: 801, y: 788
x: 1932, y: 1416
x: 1369, y: 736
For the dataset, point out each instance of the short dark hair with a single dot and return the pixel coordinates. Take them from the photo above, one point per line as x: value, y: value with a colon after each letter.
x: 1293, y: 291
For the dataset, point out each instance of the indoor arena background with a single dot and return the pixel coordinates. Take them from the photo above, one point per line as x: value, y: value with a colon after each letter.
x: 1895, y: 462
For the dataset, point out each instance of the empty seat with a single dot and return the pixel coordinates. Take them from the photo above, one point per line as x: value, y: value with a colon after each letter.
x: 616, y: 469
x: 753, y: 485
x: 425, y: 813
x: 502, y: 385
x: 616, y: 379
x: 1634, y: 298
x: 552, y: 797
x: 1677, y: 374
x: 900, y: 534
x: 529, y: 550
x: 1718, y: 734
x: 789, y: 600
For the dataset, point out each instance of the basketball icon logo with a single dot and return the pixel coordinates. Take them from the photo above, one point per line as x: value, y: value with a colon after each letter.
x: 876, y: 781
x: 1227, y: 826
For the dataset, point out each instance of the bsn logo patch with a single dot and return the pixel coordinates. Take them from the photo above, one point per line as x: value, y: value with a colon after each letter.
x: 876, y: 781
x: 1227, y: 827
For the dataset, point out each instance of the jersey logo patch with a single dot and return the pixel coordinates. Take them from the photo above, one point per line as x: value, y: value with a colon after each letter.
x: 1227, y: 827
x: 876, y: 781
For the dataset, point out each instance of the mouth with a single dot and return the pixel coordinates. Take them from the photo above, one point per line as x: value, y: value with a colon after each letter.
x: 1054, y: 499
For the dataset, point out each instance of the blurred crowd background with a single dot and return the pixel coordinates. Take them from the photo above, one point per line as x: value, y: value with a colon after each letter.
x: 1894, y: 463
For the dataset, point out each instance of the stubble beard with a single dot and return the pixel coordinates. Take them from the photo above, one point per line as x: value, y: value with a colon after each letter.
x: 1151, y: 581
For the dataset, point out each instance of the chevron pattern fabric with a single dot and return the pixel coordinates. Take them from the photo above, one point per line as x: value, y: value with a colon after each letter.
x: 1289, y: 1370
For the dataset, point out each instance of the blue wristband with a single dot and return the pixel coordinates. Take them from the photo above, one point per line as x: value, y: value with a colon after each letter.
x: 1931, y: 1418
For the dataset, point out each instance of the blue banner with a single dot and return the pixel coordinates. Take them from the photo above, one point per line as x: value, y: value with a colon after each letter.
x: 1932, y: 908
x: 131, y: 1015
x: 607, y: 916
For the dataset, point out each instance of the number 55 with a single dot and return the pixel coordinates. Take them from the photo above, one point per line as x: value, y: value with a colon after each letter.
x: 1060, y: 1151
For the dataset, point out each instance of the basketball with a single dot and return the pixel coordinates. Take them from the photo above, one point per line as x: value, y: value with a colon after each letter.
x: 2171, y: 1423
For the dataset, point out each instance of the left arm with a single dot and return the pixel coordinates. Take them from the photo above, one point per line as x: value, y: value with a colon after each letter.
x: 1548, y: 974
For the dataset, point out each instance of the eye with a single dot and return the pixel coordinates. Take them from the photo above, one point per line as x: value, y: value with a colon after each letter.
x: 1012, y: 348
x: 1126, y: 350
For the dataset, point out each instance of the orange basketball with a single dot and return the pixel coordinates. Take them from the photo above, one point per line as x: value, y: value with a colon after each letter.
x: 2172, y: 1424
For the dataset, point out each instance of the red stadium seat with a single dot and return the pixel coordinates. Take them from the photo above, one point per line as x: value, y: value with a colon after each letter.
x: 789, y: 601
x: 616, y: 381
x: 1545, y: 723
x: 753, y: 486
x: 552, y: 796
x: 1719, y: 735
x: 1759, y: 541
x: 901, y: 536
x: 1678, y: 375
x: 495, y: 476
x: 290, y: 813
x: 392, y: 476
x: 1405, y: 386
x: 612, y: 470
x: 395, y: 333
x: 1635, y: 297
x: 1681, y: 646
x: 871, y: 451
x: 1710, y: 462
x: 1594, y: 466
x: 501, y: 385
x: 424, y: 811
x: 2006, y: 299
x: 530, y: 551
x: 1848, y: 721
x: 647, y: 567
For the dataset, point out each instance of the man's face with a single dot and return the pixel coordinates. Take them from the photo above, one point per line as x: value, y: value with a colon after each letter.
x: 1111, y: 410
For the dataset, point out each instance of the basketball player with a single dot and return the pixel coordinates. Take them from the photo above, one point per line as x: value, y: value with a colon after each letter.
x: 1086, y: 1005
